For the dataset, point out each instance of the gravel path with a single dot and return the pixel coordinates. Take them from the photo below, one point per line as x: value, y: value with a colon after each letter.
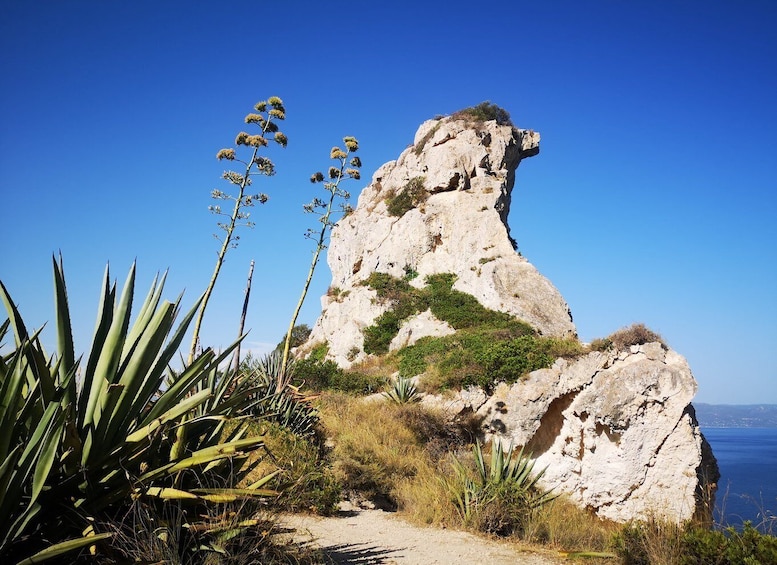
x: 366, y: 537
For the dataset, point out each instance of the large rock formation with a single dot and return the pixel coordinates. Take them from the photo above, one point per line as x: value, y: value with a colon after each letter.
x: 440, y: 208
x: 614, y: 429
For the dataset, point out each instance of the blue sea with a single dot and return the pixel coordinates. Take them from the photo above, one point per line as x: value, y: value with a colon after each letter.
x: 747, y: 490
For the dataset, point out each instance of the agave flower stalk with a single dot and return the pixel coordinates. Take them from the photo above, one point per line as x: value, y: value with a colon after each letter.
x: 348, y: 166
x: 265, y: 119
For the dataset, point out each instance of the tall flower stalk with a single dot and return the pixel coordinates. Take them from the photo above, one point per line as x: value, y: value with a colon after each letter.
x: 347, y: 167
x: 267, y: 113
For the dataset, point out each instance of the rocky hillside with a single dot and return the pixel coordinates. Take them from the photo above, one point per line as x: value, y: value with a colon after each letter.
x: 614, y: 426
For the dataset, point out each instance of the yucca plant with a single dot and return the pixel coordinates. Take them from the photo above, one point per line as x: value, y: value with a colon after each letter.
x: 78, y: 442
x: 402, y: 391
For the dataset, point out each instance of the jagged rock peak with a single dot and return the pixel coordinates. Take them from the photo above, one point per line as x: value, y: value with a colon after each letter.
x: 441, y: 207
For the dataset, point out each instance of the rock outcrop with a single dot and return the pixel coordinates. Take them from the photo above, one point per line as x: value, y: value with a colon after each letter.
x: 441, y: 207
x: 615, y: 430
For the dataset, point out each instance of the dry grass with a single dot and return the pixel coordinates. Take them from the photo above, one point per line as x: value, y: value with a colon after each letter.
x: 303, y: 476
x: 372, y: 450
x: 565, y: 527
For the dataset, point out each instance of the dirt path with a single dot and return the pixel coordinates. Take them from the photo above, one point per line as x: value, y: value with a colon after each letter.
x: 367, y: 537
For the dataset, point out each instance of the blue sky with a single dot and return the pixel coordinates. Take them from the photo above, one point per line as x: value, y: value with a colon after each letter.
x: 653, y: 198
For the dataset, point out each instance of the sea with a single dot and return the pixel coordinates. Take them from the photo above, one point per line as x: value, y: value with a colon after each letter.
x: 747, y: 489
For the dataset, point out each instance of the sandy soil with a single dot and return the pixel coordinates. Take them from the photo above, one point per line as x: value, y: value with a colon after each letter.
x: 366, y: 537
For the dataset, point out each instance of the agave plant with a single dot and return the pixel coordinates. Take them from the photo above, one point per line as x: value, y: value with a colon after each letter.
x: 507, y: 473
x: 287, y: 406
x: 403, y: 391
x: 80, y: 441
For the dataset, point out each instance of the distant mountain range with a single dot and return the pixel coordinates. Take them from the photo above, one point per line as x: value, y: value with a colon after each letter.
x: 736, y: 415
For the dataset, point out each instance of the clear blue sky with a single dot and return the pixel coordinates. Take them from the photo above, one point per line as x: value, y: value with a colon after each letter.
x: 653, y: 198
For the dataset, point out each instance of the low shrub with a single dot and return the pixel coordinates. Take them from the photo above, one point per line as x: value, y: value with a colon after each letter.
x: 459, y: 309
x: 749, y: 546
x: 635, y: 334
x: 484, y: 112
x: 480, y: 356
x: 319, y: 375
x: 507, y: 361
x: 655, y: 541
x: 408, y: 197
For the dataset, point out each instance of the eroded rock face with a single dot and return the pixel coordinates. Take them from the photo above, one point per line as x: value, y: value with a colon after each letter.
x: 615, y: 430
x: 456, y: 181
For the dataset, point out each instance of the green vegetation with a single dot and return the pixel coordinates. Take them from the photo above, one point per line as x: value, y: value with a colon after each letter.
x: 654, y: 541
x: 402, y: 391
x: 317, y: 374
x: 500, y: 498
x: 484, y: 112
x: 459, y: 309
x: 409, y: 196
x: 489, y: 347
x: 132, y: 431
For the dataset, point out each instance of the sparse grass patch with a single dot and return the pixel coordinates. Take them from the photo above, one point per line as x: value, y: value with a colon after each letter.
x: 419, y: 148
x: 373, y: 450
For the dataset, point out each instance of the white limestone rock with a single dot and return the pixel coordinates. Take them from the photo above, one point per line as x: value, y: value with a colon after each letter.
x: 457, y: 225
x: 616, y: 432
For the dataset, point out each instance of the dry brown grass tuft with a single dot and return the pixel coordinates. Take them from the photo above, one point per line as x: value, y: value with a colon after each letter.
x: 562, y: 525
x: 635, y: 334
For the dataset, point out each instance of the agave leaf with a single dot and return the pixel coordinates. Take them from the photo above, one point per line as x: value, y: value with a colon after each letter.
x: 171, y: 414
x: 10, y: 399
x: 14, y: 318
x: 231, y: 494
x: 65, y: 347
x: 64, y: 547
x: 135, y: 373
x: 181, y: 386
x: 168, y: 493
x: 109, y: 357
x: 47, y: 454
x: 102, y: 326
x: 147, y: 312
x: 7, y: 471
x: 264, y: 480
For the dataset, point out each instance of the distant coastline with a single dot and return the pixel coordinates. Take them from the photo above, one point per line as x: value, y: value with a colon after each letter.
x: 736, y: 415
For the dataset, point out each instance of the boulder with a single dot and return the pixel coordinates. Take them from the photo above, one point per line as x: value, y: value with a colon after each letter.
x: 614, y: 430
